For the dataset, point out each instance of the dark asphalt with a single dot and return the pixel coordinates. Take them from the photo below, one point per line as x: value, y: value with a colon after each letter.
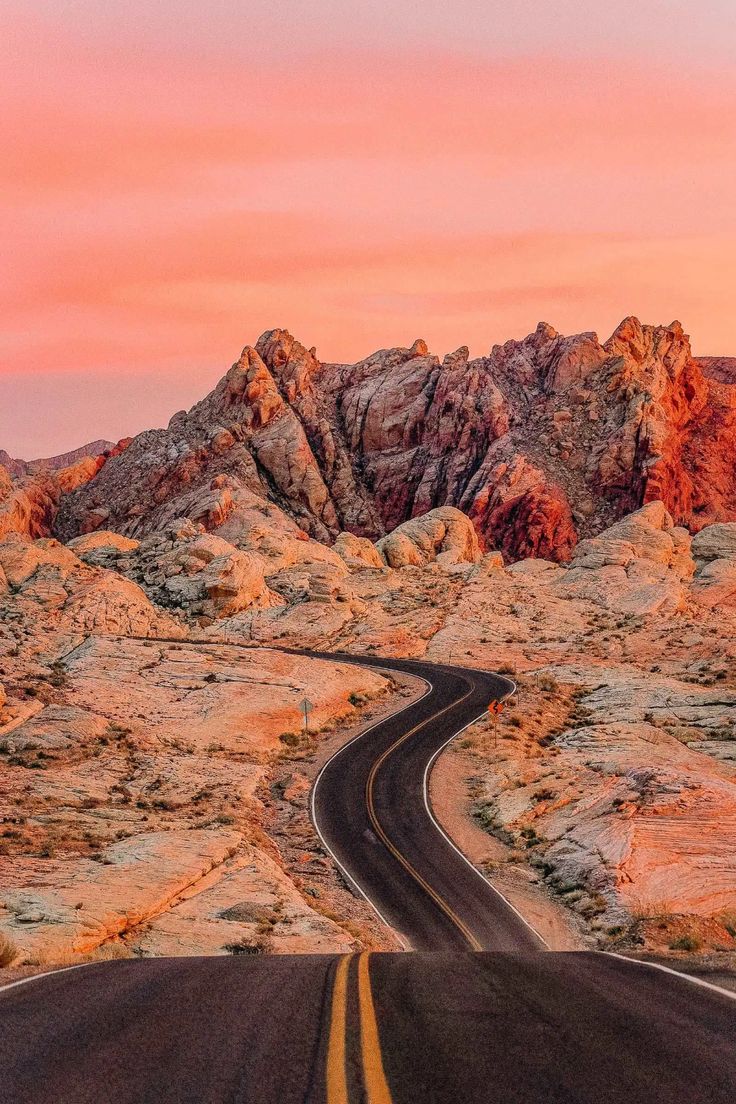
x: 474, y: 915
x: 444, y: 1025
x: 491, y: 1028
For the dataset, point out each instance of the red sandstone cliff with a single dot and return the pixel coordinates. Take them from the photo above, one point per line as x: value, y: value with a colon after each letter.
x: 540, y: 442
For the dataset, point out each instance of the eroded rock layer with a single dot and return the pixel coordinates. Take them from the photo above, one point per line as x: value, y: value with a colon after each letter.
x: 541, y: 442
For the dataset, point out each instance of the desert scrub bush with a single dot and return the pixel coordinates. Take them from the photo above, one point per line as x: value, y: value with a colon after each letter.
x: 565, y: 889
x: 259, y: 944
x: 58, y: 677
x: 506, y: 669
x: 164, y: 804
x: 290, y: 739
x: 545, y: 868
x: 548, y: 683
x: 531, y: 837
x: 686, y: 734
x: 8, y: 950
x: 728, y: 919
x: 685, y: 943
x: 486, y: 814
x: 592, y: 906
x: 182, y: 745
x: 545, y: 794
x: 110, y: 952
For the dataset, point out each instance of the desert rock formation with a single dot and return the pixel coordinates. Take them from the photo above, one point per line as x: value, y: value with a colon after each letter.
x: 563, y: 509
x: 541, y: 442
x: 55, y: 463
x: 30, y: 492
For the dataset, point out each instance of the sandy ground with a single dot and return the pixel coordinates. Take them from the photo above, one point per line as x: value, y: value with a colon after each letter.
x: 289, y: 824
x: 452, y: 806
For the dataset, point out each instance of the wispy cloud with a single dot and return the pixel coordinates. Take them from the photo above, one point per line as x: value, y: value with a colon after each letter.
x: 163, y: 206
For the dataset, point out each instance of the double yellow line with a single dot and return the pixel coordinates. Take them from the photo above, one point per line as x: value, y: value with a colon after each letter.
x: 369, y: 800
x: 374, y: 1077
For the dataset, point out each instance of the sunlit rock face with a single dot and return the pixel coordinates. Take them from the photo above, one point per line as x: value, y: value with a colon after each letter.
x: 541, y: 442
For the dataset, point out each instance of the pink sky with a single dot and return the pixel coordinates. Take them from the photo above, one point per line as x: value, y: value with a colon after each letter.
x: 180, y: 177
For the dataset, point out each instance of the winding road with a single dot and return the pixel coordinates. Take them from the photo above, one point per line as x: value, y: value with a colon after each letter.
x: 476, y: 1013
x: 371, y: 807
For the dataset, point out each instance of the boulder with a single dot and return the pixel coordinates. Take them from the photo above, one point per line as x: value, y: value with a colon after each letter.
x: 647, y: 534
x: 636, y: 566
x: 234, y: 582
x: 715, y: 542
x: 357, y: 551
x: 108, y: 603
x: 445, y: 535
x: 102, y: 538
x: 715, y: 584
x: 20, y: 559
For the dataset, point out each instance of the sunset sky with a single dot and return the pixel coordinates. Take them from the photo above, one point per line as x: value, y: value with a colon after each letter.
x: 178, y: 177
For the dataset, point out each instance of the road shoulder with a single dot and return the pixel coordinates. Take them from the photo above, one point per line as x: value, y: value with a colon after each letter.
x: 452, y: 806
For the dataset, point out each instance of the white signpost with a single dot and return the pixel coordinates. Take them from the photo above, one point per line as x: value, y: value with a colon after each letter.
x: 306, y: 707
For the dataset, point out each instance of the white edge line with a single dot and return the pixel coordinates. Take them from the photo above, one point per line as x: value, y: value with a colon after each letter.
x: 46, y: 973
x: 343, y: 870
x: 453, y: 845
x: 427, y: 805
x: 676, y: 973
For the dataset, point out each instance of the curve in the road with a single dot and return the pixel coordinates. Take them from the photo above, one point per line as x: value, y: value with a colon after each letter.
x: 371, y: 808
x: 386, y: 1028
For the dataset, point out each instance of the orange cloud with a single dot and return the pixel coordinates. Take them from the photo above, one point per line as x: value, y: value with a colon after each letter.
x: 160, y: 210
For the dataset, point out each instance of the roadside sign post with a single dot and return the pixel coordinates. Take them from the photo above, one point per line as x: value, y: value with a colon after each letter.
x: 495, y: 708
x: 306, y: 707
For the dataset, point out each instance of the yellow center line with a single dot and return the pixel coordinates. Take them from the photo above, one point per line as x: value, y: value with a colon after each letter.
x: 446, y: 908
x: 337, y: 1084
x: 376, y: 1086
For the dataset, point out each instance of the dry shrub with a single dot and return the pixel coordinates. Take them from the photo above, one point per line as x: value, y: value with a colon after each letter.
x: 643, y: 908
x: 8, y: 950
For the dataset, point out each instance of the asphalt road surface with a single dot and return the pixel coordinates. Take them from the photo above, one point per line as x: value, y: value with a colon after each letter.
x: 477, y: 1013
x: 407, y: 1028
x: 370, y: 805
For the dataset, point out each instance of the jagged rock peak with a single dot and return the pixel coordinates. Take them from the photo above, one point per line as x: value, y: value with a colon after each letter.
x: 546, y: 440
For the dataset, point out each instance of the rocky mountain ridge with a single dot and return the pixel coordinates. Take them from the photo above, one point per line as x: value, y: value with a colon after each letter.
x: 29, y: 499
x: 150, y: 736
x: 17, y: 467
x: 542, y: 442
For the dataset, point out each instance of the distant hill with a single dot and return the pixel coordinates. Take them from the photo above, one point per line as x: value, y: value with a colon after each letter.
x: 722, y: 369
x: 53, y: 463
